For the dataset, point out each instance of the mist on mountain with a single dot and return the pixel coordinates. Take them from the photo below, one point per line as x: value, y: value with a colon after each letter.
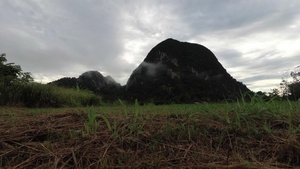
x: 172, y: 72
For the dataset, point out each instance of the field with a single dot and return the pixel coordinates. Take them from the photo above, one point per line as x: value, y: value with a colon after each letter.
x: 254, y: 134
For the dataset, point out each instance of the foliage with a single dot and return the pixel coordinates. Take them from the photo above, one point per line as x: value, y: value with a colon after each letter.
x: 11, y: 73
x: 42, y: 95
x: 11, y: 80
x: 91, y: 124
x: 74, y: 98
x: 296, y: 74
x: 18, y: 89
x: 94, y: 81
x: 294, y: 87
x: 290, y: 89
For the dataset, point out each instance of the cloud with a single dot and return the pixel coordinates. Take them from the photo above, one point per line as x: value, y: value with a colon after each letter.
x: 256, y: 41
x: 63, y: 39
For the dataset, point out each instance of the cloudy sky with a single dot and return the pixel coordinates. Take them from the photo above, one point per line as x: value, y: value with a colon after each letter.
x: 256, y: 41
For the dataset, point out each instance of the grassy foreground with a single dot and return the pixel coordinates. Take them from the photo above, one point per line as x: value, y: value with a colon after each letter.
x: 257, y: 134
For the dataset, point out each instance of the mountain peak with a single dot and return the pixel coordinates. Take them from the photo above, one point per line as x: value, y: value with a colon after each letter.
x: 170, y: 40
x: 175, y: 71
x: 172, y: 72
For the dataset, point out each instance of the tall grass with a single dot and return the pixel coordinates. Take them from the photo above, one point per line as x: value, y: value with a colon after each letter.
x: 42, y: 95
x: 91, y: 124
x: 255, y: 112
x: 129, y: 128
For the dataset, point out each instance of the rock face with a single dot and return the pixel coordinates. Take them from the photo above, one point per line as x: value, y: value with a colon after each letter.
x: 181, y: 72
x: 95, y: 81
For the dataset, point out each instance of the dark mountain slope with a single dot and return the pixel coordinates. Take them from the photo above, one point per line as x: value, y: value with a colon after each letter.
x: 94, y: 81
x: 172, y: 72
x: 181, y: 72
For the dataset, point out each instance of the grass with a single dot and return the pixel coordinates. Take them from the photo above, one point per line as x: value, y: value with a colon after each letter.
x: 92, y: 124
x: 254, y: 134
x: 41, y: 95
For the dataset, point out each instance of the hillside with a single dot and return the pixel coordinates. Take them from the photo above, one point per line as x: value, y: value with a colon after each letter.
x: 172, y: 72
x: 181, y: 72
x: 107, y: 87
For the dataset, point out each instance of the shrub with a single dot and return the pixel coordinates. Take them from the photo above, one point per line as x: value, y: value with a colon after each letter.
x: 42, y: 95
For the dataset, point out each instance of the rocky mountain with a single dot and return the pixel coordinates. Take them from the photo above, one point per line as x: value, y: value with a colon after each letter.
x: 172, y: 72
x: 94, y: 81
x: 181, y: 72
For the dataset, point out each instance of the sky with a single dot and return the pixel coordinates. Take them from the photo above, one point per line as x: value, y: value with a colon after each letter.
x: 257, y: 42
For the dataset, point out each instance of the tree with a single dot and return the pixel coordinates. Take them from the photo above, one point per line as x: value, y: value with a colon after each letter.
x: 295, y: 90
x: 296, y: 74
x: 274, y: 92
x: 10, y: 73
x: 294, y: 87
x: 284, y: 87
x: 12, y: 81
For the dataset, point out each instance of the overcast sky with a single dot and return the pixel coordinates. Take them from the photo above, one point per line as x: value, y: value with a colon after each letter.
x: 256, y: 41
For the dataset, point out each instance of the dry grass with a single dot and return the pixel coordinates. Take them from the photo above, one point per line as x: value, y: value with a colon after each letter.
x: 59, y: 140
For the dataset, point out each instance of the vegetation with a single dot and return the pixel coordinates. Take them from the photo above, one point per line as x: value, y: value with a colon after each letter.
x: 294, y: 87
x: 94, y: 81
x: 255, y: 134
x: 18, y: 89
x: 290, y: 89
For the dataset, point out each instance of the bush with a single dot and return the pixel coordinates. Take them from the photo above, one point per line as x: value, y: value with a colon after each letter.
x: 41, y: 95
x: 18, y: 88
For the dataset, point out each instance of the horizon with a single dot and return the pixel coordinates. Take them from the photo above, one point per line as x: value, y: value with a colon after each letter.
x: 255, y: 41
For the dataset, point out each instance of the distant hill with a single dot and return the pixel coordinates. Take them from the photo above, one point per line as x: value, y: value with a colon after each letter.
x: 94, y: 81
x: 181, y: 72
x: 172, y: 72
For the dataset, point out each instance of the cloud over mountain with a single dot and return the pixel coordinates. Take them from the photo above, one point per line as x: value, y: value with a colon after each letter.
x: 54, y: 39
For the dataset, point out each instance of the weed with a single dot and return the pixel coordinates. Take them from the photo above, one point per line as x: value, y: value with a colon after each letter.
x: 106, y: 122
x: 137, y: 128
x: 124, y: 107
x: 91, y: 124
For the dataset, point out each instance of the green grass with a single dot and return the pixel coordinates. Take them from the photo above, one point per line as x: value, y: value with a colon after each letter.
x: 244, y: 134
x: 41, y: 95
x: 91, y: 124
